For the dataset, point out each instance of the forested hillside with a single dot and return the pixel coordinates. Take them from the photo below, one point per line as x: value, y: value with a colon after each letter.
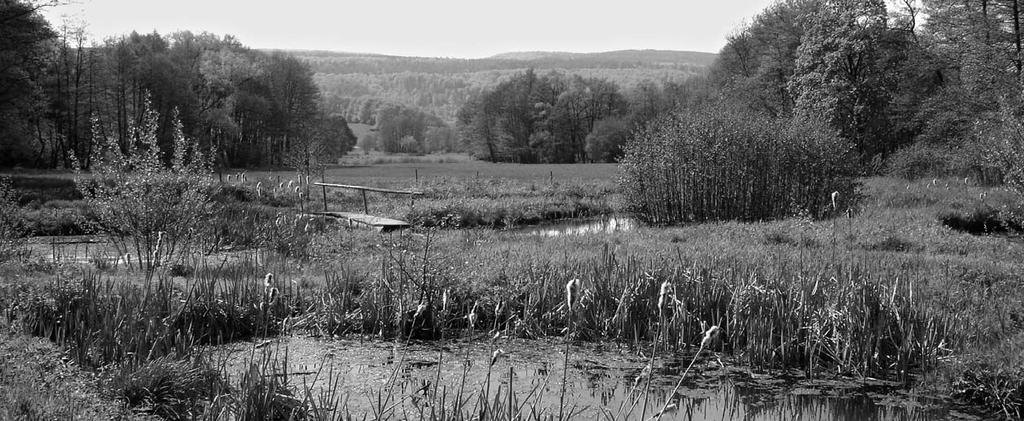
x: 440, y: 86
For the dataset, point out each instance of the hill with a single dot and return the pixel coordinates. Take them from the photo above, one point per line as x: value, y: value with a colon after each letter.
x: 439, y: 86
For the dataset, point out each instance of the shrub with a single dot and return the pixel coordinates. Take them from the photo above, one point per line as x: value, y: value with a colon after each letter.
x: 723, y: 165
x: 921, y: 160
x: 148, y: 208
x: 1008, y: 150
x: 13, y: 226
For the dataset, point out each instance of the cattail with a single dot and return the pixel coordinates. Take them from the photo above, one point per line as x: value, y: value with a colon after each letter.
x: 496, y: 355
x: 666, y: 289
x: 835, y: 194
x: 643, y: 375
x: 472, y: 317
x: 572, y: 292
x: 259, y: 188
x: 966, y: 179
x: 242, y: 176
x: 280, y: 186
x: 156, y: 250
x: 290, y: 184
x: 268, y: 280
x: 229, y: 178
x: 296, y: 189
x: 708, y: 336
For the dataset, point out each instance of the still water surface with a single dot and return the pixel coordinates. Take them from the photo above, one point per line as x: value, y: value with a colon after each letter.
x: 605, y: 225
x: 599, y: 382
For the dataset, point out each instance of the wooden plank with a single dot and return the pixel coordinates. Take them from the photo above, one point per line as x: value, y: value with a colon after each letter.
x: 373, y: 189
x: 385, y: 224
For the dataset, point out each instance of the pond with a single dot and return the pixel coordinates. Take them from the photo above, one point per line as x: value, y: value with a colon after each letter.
x: 601, y: 381
x: 605, y: 225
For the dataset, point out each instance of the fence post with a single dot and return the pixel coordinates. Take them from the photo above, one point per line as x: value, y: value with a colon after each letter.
x: 366, y: 208
x: 323, y: 180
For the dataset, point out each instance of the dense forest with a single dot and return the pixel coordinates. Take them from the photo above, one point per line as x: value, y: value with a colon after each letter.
x: 919, y: 89
x: 927, y: 86
x: 58, y: 95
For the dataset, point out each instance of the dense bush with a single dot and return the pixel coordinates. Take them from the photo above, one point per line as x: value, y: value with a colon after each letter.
x: 921, y: 160
x: 722, y: 165
x: 148, y: 208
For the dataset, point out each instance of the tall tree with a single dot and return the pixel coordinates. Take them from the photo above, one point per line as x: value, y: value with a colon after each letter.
x: 24, y: 44
x: 842, y: 74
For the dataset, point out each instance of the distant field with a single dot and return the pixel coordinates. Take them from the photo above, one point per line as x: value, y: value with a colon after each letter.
x: 474, y: 169
x: 360, y: 129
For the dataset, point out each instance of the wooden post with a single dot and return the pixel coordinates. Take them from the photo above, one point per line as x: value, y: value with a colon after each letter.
x: 366, y: 208
x: 417, y: 172
x: 323, y: 179
x: 552, y: 177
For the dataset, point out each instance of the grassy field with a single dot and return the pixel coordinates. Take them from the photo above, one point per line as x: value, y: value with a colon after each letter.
x: 922, y: 278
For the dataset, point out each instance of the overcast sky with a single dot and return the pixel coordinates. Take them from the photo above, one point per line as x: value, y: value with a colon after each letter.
x: 435, y: 28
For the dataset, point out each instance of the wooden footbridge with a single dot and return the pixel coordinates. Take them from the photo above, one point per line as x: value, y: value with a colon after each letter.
x: 380, y: 223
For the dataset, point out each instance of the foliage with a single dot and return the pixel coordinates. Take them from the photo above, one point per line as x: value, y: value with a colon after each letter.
x: 13, y: 224
x: 151, y: 210
x: 721, y: 165
x: 605, y: 141
x: 532, y: 118
x: 1008, y: 149
x: 842, y: 74
x: 24, y: 45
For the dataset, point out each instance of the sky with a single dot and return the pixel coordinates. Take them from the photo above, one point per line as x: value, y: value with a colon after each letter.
x: 434, y: 28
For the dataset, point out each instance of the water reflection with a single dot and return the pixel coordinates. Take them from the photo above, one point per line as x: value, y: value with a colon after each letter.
x: 601, y: 381
x: 605, y: 225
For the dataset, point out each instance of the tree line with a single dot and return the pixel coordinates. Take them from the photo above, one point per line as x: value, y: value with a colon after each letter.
x: 562, y: 118
x: 941, y: 75
x: 59, y: 93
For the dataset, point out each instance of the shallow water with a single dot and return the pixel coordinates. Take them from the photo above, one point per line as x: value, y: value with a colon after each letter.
x: 606, y: 225
x: 599, y: 382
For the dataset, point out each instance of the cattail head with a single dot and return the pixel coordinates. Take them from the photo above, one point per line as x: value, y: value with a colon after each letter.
x: 259, y: 188
x: 496, y: 355
x: 572, y: 293
x: 709, y: 336
x: 643, y: 375
x: 835, y: 194
x: 268, y: 280
x: 663, y: 296
x: 471, y: 318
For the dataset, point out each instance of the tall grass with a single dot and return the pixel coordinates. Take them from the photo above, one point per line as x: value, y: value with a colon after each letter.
x: 723, y: 165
